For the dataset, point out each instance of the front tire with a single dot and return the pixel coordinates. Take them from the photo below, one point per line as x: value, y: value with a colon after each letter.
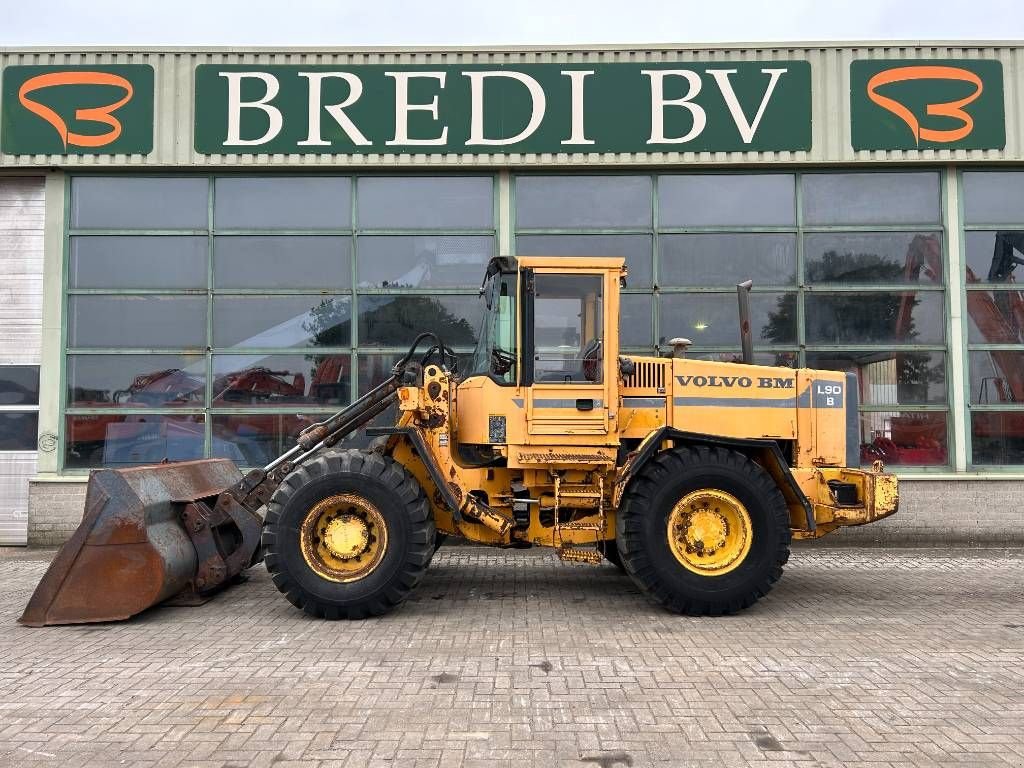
x: 348, y: 535
x: 703, y: 531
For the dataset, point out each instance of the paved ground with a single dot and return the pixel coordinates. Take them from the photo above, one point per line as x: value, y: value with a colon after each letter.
x: 513, y: 659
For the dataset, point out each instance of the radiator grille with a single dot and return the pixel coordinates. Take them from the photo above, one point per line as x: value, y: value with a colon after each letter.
x: 647, y: 376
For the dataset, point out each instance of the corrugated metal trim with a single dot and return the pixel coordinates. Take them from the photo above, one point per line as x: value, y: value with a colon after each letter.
x: 21, y: 270
x: 174, y: 67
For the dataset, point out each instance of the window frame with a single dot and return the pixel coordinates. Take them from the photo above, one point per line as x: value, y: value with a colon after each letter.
x: 354, y: 292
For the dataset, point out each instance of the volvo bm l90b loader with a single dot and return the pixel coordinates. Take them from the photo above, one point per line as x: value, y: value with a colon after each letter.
x: 693, y: 476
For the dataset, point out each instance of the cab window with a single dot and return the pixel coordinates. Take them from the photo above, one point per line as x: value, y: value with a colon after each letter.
x: 568, y: 326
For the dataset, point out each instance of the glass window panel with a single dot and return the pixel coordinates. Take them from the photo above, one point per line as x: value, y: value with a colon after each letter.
x: 727, y: 259
x: 995, y: 317
x: 635, y: 320
x: 99, y: 202
x: 579, y: 202
x: 117, y: 440
x: 394, y: 321
x: 712, y: 319
x: 135, y: 381
x: 994, y: 197
x: 890, y: 378
x: 282, y: 321
x: 18, y: 431
x: 636, y: 249
x: 137, y: 262
x: 995, y: 256
x: 272, y: 380
x: 136, y: 321
x: 997, y: 437
x: 423, y: 261
x: 997, y: 376
x: 873, y: 257
x: 905, y: 317
x: 280, y: 202
x: 763, y: 199
x: 426, y: 202
x: 904, y: 438
x: 870, y: 198
x: 19, y: 385
x: 568, y: 327
x: 283, y: 262
x: 255, y: 439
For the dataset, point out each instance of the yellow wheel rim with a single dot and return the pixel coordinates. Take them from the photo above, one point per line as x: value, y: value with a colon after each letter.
x: 343, y: 538
x: 709, y: 532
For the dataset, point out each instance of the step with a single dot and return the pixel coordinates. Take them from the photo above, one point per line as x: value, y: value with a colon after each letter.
x: 581, y: 527
x: 580, y: 555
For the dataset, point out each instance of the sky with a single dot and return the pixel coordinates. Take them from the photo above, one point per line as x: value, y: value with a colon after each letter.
x: 490, y: 23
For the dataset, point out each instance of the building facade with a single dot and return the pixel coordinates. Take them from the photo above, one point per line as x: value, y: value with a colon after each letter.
x: 202, y: 251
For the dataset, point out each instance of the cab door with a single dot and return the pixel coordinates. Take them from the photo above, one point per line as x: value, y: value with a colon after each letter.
x: 566, y: 355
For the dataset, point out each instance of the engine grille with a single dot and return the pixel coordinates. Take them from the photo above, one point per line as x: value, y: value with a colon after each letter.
x: 647, y: 376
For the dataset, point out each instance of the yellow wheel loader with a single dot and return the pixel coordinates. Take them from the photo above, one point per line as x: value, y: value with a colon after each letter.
x: 692, y: 476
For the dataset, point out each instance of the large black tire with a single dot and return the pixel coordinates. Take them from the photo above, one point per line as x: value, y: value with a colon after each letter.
x: 642, y: 531
x: 398, y: 498
x: 611, y: 554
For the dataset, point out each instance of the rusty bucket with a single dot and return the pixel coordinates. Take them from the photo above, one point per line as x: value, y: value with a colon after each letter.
x: 140, y: 543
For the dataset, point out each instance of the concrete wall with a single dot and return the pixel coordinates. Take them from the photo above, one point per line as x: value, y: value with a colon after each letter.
x: 932, y: 513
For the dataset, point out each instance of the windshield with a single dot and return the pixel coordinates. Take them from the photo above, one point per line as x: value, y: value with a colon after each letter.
x: 495, y: 353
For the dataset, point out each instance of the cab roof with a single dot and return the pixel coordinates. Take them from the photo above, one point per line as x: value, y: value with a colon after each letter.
x: 512, y: 263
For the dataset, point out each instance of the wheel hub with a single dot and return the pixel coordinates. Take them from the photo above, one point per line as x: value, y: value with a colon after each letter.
x: 709, y: 532
x: 343, y: 538
x: 346, y: 536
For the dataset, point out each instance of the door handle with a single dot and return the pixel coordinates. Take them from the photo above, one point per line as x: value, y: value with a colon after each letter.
x: 584, y: 404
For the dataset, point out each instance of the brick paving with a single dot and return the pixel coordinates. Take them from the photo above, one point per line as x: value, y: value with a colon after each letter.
x: 859, y: 657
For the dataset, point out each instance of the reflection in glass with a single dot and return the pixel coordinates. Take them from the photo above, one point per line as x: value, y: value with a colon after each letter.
x: 580, y: 202
x: 255, y: 439
x: 136, y: 321
x: 422, y: 261
x: 890, y: 378
x: 99, y: 261
x: 135, y: 381
x: 993, y: 197
x: 272, y: 380
x: 19, y: 385
x: 997, y: 376
x: 18, y: 430
x: 568, y: 328
x: 704, y: 200
x: 712, y: 319
x: 394, y: 321
x: 114, y: 440
x: 873, y: 257
x: 774, y: 359
x: 375, y: 368
x: 909, y: 438
x: 997, y: 437
x: 905, y: 317
x: 315, y: 262
x: 871, y: 198
x: 426, y: 202
x: 282, y: 321
x: 281, y: 202
x: 995, y: 317
x: 727, y: 259
x: 636, y: 249
x: 105, y: 202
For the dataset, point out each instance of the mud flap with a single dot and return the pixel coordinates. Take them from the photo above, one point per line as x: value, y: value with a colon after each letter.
x: 148, y: 534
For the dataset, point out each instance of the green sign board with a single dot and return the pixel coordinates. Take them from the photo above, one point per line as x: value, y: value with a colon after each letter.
x: 927, y: 104
x: 76, y: 110
x: 480, y: 108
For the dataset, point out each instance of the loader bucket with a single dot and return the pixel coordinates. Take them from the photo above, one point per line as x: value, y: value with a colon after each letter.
x: 131, y: 550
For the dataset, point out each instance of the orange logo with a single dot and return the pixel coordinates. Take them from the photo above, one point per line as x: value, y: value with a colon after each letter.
x: 103, y: 115
x: 952, y: 109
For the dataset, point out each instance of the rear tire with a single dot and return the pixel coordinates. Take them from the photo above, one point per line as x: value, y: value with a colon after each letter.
x: 375, y: 504
x: 661, y: 539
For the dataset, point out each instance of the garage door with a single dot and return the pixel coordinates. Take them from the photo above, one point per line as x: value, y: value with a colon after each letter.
x: 21, y: 301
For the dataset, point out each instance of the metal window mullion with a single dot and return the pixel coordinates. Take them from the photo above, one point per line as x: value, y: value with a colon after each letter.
x: 801, y: 310
x: 655, y: 291
x: 65, y: 304
x: 283, y: 232
x: 426, y: 232
x: 956, y: 330
x: 136, y: 291
x: 210, y: 286
x: 862, y: 229
x: 353, y: 359
x: 78, y: 232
